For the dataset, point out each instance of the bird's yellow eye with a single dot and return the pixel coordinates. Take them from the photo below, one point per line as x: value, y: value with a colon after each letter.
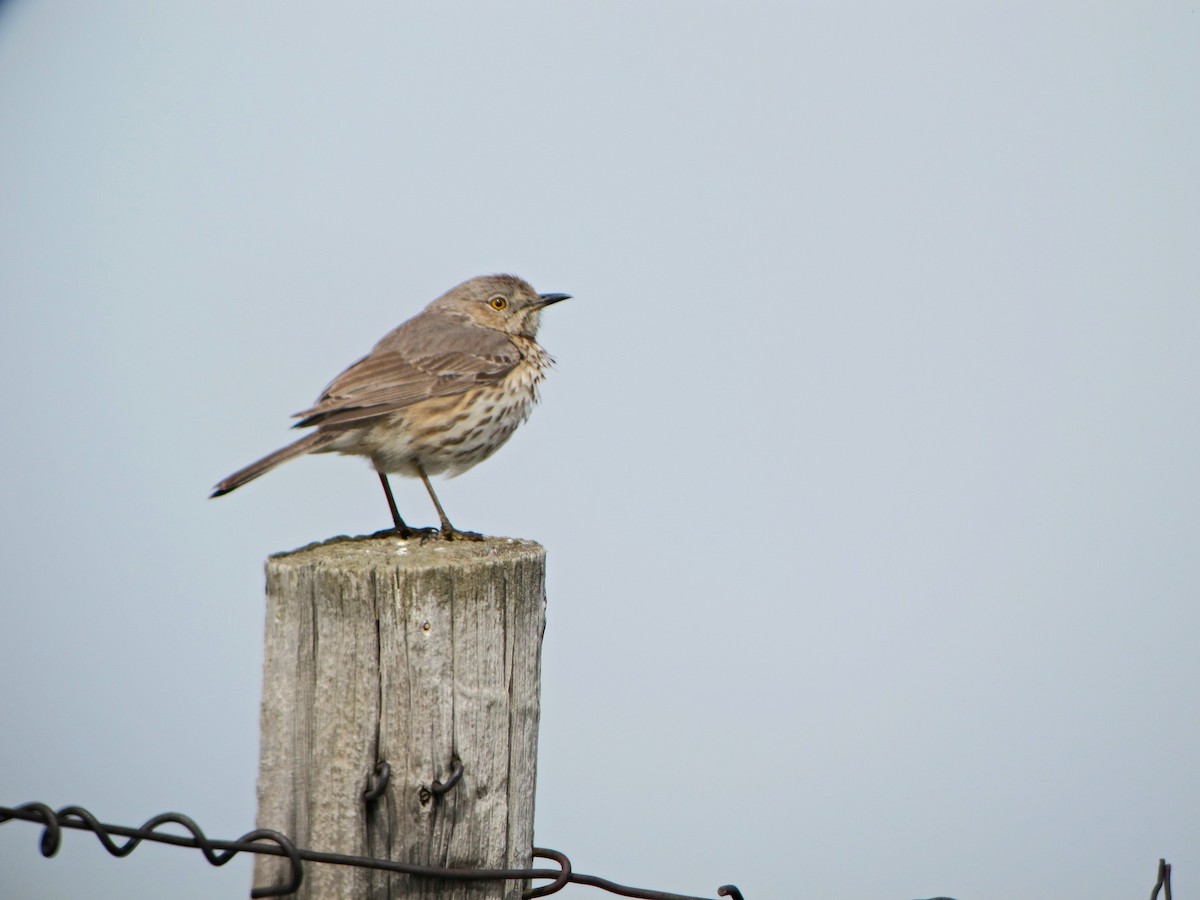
x: 498, y: 303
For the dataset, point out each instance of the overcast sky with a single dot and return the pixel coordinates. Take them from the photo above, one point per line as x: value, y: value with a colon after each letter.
x: 867, y: 474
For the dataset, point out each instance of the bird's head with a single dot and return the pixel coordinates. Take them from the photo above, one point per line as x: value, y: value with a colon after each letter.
x: 499, y: 302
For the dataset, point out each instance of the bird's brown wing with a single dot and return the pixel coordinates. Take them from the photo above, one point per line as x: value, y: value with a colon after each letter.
x: 389, y: 380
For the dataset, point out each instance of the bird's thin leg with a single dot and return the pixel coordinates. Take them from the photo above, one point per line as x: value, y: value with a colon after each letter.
x: 449, y: 532
x: 447, y: 528
x: 401, y: 529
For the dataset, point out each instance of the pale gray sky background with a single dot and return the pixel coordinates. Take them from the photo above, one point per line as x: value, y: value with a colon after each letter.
x: 868, y: 474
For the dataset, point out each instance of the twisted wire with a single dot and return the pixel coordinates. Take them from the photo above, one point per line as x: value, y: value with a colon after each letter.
x: 273, y: 843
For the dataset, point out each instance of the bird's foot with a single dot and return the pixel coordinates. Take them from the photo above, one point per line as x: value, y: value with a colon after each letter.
x: 450, y: 533
x: 407, y: 533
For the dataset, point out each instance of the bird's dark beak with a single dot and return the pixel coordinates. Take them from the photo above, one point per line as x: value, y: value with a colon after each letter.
x: 547, y: 299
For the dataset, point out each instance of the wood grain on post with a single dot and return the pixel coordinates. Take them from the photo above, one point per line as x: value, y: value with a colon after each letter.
x: 417, y: 654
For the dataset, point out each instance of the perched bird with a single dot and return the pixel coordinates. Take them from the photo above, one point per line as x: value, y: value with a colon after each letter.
x: 437, y: 395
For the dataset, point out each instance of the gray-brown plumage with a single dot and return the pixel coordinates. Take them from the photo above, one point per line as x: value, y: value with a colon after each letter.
x: 438, y: 394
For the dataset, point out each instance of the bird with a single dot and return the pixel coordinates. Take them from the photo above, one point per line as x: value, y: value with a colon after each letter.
x: 437, y: 395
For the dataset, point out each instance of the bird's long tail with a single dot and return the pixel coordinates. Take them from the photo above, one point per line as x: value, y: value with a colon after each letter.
x: 306, y: 444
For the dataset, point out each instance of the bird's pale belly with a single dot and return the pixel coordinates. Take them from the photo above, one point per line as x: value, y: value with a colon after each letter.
x: 448, y: 435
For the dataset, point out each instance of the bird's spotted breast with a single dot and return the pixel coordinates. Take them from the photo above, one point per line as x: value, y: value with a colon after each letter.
x: 448, y: 435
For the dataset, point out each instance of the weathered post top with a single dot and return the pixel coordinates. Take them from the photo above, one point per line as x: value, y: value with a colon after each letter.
x: 387, y: 549
x: 422, y: 654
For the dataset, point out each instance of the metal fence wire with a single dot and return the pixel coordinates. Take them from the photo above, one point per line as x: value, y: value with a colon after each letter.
x: 273, y: 843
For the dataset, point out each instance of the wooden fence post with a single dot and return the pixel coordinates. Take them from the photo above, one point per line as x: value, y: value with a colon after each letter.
x: 417, y: 654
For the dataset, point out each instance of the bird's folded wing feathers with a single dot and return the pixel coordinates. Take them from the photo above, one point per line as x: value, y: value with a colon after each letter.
x: 388, y: 381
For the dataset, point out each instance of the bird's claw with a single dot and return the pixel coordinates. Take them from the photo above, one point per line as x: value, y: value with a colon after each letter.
x: 407, y: 533
x: 453, y: 534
